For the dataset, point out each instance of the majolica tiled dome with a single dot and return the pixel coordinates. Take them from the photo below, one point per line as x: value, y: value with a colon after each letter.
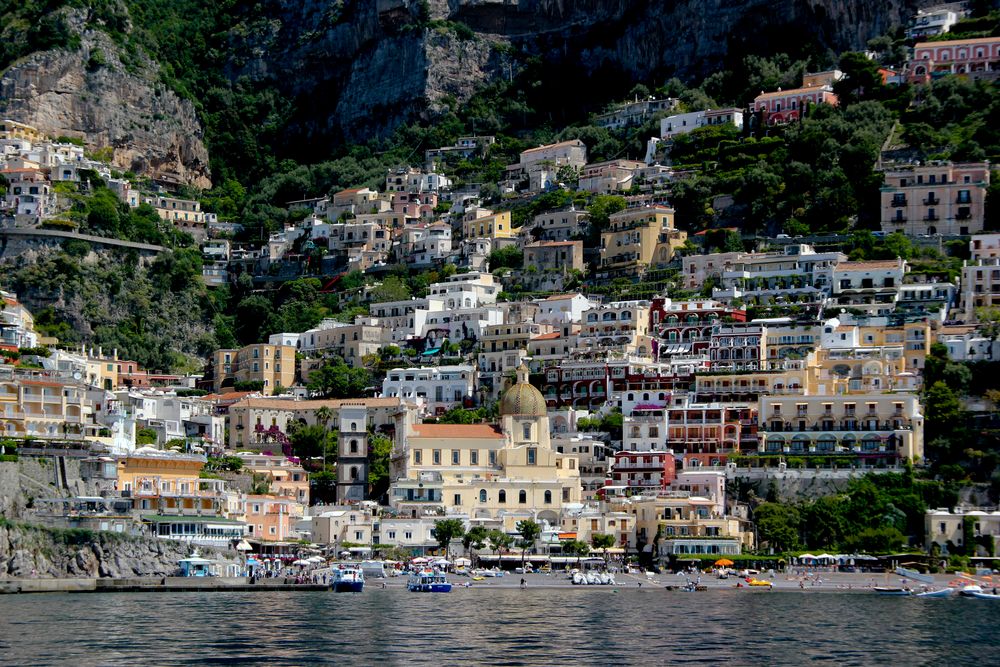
x: 523, y: 399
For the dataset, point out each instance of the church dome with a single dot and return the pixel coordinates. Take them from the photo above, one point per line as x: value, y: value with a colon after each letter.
x: 523, y: 399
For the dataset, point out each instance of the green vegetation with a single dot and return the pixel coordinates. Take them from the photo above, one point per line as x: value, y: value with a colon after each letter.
x: 873, y: 515
x: 446, y: 530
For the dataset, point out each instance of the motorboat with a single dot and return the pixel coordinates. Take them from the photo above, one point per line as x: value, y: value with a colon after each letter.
x: 579, y: 579
x: 981, y: 595
x: 940, y: 593
x: 428, y: 582
x: 891, y: 590
x: 348, y: 580
x: 971, y: 590
x: 594, y: 579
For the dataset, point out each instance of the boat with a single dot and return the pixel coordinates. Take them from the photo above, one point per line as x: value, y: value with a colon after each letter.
x: 348, y: 580
x: 890, y: 590
x: 760, y: 582
x: 984, y: 596
x: 941, y: 593
x: 971, y: 590
x: 593, y: 579
x: 428, y: 582
x: 579, y: 579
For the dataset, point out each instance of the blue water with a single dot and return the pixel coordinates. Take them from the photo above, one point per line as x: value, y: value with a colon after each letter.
x: 483, y: 626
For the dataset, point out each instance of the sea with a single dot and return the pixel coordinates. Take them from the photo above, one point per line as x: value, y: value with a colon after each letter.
x: 482, y: 626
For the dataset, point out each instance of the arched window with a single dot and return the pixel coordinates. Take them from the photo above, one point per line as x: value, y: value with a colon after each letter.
x: 548, y: 497
x: 354, y: 474
x: 503, y: 497
x: 527, y: 431
x: 354, y: 446
x: 522, y: 497
x: 482, y: 495
x: 354, y: 426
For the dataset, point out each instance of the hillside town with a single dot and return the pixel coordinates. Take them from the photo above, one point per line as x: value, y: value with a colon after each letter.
x: 587, y: 370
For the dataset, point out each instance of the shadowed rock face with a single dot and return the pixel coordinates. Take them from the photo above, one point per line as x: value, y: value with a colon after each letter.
x: 150, y: 130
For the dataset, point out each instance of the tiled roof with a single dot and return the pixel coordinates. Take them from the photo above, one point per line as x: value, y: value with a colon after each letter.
x: 793, y: 91
x: 571, y: 142
x: 547, y: 336
x: 957, y: 42
x: 874, y: 264
x: 287, y: 404
x: 457, y: 431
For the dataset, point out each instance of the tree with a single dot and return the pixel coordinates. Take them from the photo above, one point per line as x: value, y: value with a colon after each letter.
x: 323, y: 487
x: 474, y: 539
x: 604, y: 542
x: 323, y: 417
x: 310, y: 442
x: 499, y: 542
x: 446, y: 530
x: 379, y: 455
x: 335, y: 379
x: 530, y: 532
x: 778, y: 526
x: 391, y: 289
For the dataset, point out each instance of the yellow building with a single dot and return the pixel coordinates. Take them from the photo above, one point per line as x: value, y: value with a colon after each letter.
x: 489, y: 226
x: 639, y: 238
x: 497, y: 476
x: 42, y: 409
x: 168, y: 483
x: 11, y: 129
x: 274, y: 365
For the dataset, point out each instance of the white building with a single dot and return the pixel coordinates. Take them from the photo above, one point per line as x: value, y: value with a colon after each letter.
x: 672, y: 126
x: 435, y: 389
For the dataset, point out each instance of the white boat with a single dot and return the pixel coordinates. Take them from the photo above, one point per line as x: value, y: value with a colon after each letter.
x: 348, y: 580
x: 942, y: 593
x: 606, y: 579
x: 428, y: 582
x: 984, y: 596
x: 593, y: 579
x: 888, y: 590
x: 579, y: 579
x: 373, y: 569
x: 971, y: 591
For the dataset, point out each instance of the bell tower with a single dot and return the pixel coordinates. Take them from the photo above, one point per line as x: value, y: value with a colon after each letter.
x: 352, y: 454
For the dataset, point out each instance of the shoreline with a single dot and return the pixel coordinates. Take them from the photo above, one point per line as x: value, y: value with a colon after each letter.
x: 821, y: 582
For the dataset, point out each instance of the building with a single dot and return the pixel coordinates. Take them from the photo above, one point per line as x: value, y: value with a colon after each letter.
x: 287, y: 479
x: 870, y: 427
x: 618, y: 325
x: 634, y: 113
x: 637, y: 239
x: 554, y: 256
x: 932, y: 21
x: 435, y: 389
x: 272, y: 518
x: 483, y: 223
x: 185, y: 214
x: 271, y: 365
x: 352, y: 457
x: 737, y: 346
x: 609, y: 177
x: 541, y: 165
x: 494, y: 475
x: 786, y: 106
x: 973, y: 57
x: 560, y: 225
x: 947, y: 530
x: 671, y: 126
x: 871, y: 286
x: 937, y: 198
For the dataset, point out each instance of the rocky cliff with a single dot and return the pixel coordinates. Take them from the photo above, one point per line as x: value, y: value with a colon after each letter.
x: 110, y: 100
x: 52, y: 553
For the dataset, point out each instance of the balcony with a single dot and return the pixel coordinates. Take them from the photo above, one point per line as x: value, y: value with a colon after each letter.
x: 899, y: 202
x: 931, y: 217
x: 899, y: 219
x: 931, y: 201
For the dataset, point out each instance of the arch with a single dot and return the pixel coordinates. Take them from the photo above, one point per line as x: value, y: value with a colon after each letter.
x: 354, y: 473
x: 522, y: 497
x: 775, y: 443
x: 800, y: 443
x: 548, y: 497
x: 826, y: 443
x: 870, y: 442
x: 482, y: 495
x: 354, y: 446
x: 502, y: 497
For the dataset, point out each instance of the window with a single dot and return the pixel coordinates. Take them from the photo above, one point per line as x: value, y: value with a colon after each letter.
x: 522, y: 497
x: 493, y: 458
x: 354, y: 473
x: 527, y: 431
x: 502, y: 497
x: 458, y: 499
x: 455, y: 457
x: 482, y: 495
x: 532, y: 456
x: 354, y: 446
x: 474, y: 457
x: 437, y: 457
x: 417, y: 456
x: 548, y: 497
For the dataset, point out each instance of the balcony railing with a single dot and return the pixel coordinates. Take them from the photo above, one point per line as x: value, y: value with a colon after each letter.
x: 932, y: 201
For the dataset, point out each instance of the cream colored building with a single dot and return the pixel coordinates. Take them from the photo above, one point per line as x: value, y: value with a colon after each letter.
x: 942, y: 526
x: 936, y: 198
x: 639, y: 238
x: 495, y: 475
x: 486, y: 224
x: 878, y: 425
x: 273, y: 365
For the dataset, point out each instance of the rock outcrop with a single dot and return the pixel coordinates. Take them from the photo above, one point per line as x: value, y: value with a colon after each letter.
x: 51, y: 553
x: 92, y: 94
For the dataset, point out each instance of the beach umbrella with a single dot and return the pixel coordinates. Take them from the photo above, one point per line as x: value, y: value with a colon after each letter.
x: 244, y: 546
x: 463, y: 561
x: 301, y: 563
x: 724, y: 562
x: 419, y: 561
x: 442, y: 561
x: 315, y: 559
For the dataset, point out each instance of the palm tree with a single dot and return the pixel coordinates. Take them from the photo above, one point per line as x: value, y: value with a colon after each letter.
x: 530, y: 532
x: 323, y: 417
x: 499, y: 542
x: 603, y: 541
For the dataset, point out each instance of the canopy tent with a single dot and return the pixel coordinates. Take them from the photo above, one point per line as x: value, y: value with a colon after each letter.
x: 463, y: 561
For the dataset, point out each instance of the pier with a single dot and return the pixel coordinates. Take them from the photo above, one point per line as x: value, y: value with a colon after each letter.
x: 152, y: 584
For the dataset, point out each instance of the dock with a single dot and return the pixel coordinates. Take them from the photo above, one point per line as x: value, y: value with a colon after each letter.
x: 153, y: 584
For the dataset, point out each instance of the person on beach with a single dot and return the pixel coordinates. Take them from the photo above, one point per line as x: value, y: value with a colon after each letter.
x: 523, y: 583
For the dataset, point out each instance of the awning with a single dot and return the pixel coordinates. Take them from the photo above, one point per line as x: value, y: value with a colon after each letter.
x: 433, y: 350
x: 679, y: 348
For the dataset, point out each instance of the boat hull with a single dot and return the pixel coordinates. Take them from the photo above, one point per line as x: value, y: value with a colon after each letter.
x: 984, y: 596
x: 348, y: 586
x: 430, y: 588
x: 892, y: 591
x: 944, y: 593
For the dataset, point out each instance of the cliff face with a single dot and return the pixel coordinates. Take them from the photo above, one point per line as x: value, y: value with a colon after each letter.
x: 48, y: 553
x: 363, y: 68
x: 91, y: 94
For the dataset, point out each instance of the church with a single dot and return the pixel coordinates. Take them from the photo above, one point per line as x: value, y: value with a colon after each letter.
x: 495, y: 474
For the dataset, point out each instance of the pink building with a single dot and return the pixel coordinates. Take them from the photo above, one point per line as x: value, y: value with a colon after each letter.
x: 785, y: 106
x: 960, y: 56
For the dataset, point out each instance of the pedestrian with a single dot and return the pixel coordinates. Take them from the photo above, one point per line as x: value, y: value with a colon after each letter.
x: 523, y: 583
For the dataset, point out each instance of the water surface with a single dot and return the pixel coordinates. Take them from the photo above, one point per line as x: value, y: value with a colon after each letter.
x: 483, y: 626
